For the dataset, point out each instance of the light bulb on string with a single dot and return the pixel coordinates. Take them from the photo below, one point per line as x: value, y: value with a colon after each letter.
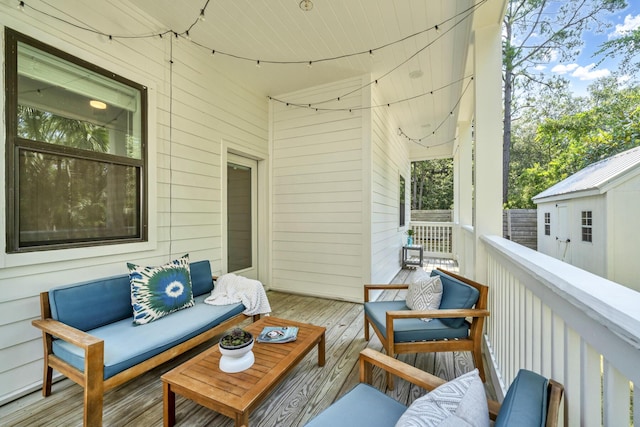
x: 201, y: 17
x: 258, y: 63
x: 21, y: 6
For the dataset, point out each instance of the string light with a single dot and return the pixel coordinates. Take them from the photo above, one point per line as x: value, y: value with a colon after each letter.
x: 418, y: 140
x: 314, y: 105
x: 201, y: 17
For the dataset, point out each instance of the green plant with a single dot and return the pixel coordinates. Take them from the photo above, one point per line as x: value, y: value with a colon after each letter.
x: 410, y: 232
x: 236, y: 338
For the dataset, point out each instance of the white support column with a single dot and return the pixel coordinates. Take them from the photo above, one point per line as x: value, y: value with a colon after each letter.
x: 488, y: 137
x: 465, y: 169
x: 463, y: 191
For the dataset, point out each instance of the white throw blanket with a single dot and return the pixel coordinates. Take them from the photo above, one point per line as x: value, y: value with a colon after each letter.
x: 232, y: 289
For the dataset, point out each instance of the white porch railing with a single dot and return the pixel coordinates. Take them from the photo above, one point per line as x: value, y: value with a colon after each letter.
x: 567, y: 324
x: 436, y: 238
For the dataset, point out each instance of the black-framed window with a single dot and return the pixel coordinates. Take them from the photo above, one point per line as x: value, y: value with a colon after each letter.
x: 547, y: 224
x: 587, y: 226
x: 75, y: 151
x: 403, y: 201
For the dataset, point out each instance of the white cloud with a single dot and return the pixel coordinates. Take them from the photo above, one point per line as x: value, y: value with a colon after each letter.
x: 630, y: 23
x: 624, y: 79
x: 564, y: 69
x: 587, y: 73
x: 579, y: 72
x: 540, y: 67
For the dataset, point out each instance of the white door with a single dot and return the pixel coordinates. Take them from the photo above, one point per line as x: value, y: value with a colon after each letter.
x: 242, y: 209
x: 563, y: 236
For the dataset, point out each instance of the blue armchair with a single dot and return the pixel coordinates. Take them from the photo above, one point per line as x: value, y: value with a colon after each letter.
x: 531, y: 400
x: 401, y: 330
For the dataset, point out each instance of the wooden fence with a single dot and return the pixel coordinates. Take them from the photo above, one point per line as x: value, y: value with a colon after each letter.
x: 518, y: 225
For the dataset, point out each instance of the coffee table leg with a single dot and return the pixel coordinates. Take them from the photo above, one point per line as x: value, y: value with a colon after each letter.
x: 169, y: 404
x: 321, y: 345
x: 242, y: 420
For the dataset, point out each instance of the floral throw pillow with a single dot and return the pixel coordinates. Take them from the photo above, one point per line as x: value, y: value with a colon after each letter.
x: 425, y: 294
x: 461, y: 402
x: 158, y: 291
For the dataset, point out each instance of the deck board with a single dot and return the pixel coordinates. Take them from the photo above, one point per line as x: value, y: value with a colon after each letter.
x: 302, y: 395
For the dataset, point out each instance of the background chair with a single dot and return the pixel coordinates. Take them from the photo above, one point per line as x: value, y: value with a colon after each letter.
x: 401, y: 331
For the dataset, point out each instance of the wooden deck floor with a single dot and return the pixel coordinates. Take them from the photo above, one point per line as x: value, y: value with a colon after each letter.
x: 303, y: 394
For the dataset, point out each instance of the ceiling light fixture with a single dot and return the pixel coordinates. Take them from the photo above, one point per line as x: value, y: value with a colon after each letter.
x: 306, y: 5
x: 98, y: 105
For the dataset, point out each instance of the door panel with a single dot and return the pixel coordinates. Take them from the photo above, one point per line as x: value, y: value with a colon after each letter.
x: 241, y: 216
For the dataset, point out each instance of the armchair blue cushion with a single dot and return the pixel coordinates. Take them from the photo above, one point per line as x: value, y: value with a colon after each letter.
x: 409, y: 330
x: 364, y: 405
x: 455, y: 294
x: 526, y: 401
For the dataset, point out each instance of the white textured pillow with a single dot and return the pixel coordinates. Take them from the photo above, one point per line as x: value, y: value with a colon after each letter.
x: 425, y: 294
x: 461, y: 402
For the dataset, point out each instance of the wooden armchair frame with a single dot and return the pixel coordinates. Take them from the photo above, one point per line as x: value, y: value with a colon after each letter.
x: 472, y: 343
x: 369, y: 358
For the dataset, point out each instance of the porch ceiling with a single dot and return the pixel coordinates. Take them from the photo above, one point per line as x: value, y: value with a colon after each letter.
x: 407, y: 71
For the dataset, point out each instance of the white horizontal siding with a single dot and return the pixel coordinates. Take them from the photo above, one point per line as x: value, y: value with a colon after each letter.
x: 390, y: 158
x: 188, y: 124
x: 317, y: 204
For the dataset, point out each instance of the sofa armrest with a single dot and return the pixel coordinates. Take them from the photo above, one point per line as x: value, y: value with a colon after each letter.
x: 66, y: 332
x: 382, y: 287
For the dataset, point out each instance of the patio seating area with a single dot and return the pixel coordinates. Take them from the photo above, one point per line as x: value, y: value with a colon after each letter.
x: 306, y: 392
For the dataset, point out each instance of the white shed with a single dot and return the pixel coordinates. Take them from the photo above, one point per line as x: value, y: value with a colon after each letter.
x: 592, y: 219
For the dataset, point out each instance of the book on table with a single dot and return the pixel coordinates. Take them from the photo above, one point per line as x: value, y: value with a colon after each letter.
x: 278, y: 334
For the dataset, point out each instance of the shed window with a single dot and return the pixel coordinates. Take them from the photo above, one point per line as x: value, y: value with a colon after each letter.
x: 76, y: 151
x: 547, y: 224
x: 587, y: 226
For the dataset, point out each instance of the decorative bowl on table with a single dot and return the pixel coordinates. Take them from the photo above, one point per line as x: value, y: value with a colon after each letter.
x: 235, y: 349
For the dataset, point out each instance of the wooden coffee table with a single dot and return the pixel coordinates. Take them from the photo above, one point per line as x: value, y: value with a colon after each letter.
x: 236, y: 395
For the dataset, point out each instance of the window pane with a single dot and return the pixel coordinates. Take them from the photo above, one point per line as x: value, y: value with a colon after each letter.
x: 239, y: 218
x: 64, y: 200
x: 65, y: 104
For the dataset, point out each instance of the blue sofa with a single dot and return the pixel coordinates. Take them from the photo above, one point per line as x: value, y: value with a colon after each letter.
x: 531, y: 400
x: 89, y: 334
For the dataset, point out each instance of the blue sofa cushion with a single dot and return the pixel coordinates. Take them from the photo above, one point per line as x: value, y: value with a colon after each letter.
x: 89, y: 305
x: 455, y: 294
x: 363, y: 405
x: 158, y: 291
x: 126, y: 345
x: 201, y: 279
x: 408, y: 330
x: 526, y: 401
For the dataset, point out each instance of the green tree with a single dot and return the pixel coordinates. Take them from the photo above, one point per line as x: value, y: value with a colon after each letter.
x: 608, y: 123
x: 534, y: 32
x: 626, y: 47
x: 432, y: 184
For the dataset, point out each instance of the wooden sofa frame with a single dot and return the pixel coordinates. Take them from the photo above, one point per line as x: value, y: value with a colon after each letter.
x: 369, y: 358
x: 473, y: 343
x: 92, y: 379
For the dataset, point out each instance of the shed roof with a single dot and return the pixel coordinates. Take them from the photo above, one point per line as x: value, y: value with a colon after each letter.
x: 594, y: 177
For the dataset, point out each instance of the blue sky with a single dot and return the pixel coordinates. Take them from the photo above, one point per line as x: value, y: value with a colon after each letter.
x: 583, y: 70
